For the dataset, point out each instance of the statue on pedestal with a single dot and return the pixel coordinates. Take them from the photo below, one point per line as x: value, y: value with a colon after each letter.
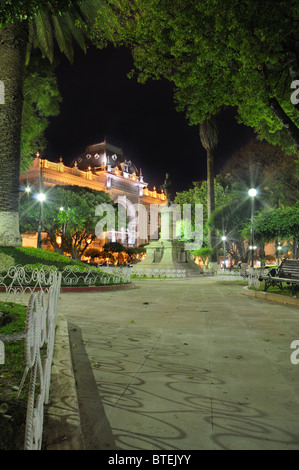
x: 167, y: 255
x: 167, y: 189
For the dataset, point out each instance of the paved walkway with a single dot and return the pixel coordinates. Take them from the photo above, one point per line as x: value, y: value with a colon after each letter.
x: 184, y: 365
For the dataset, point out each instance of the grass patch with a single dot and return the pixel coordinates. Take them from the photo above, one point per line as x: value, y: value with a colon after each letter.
x: 12, y: 318
x: 144, y: 276
x: 228, y: 281
x: 12, y: 410
x: 286, y: 290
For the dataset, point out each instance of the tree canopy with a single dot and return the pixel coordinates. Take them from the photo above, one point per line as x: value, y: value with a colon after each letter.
x: 197, y: 194
x: 26, y: 9
x: 68, y: 215
x: 217, y: 54
x: 230, y: 220
x: 278, y: 223
x: 225, y: 191
x: 267, y: 168
x: 25, y: 26
x: 41, y: 100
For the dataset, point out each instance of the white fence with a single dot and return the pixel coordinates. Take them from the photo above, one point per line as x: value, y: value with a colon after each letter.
x: 253, y: 278
x: 20, y: 280
x: 43, y: 284
x: 251, y: 275
x: 117, y: 273
x: 226, y: 275
x: 39, y: 349
x: 160, y: 273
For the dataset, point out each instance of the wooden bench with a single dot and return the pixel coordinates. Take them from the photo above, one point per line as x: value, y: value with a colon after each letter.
x: 288, y: 272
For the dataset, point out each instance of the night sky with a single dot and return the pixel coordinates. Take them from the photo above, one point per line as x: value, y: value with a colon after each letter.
x: 100, y: 101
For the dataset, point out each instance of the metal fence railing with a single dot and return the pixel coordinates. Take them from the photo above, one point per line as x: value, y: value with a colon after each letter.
x: 156, y: 273
x: 43, y: 285
x: 39, y: 349
x: 19, y: 280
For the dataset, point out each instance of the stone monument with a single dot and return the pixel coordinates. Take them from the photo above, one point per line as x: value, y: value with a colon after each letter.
x: 167, y: 253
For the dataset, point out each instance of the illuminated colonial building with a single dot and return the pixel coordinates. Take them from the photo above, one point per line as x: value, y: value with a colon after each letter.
x: 102, y: 167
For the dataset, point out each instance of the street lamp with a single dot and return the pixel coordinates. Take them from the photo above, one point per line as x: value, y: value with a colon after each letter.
x: 41, y: 197
x: 252, y: 193
x: 27, y: 190
x: 279, y: 248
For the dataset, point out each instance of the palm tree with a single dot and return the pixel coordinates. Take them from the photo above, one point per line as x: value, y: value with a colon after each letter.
x: 208, y: 131
x: 17, y: 38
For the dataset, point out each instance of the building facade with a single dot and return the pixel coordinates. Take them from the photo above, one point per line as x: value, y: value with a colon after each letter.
x: 102, y: 167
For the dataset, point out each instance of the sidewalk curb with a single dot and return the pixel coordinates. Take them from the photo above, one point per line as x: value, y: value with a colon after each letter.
x: 97, y: 288
x: 62, y: 428
x: 107, y: 287
x: 281, y: 299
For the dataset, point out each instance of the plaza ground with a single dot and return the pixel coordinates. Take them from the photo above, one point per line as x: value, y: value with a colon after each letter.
x: 190, y: 364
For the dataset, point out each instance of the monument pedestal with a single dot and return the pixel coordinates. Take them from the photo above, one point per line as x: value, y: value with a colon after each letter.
x: 167, y: 253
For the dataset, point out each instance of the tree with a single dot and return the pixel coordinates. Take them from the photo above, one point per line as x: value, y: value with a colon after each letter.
x: 230, y: 220
x: 217, y: 54
x: 68, y: 217
x: 114, y: 247
x: 208, y: 131
x: 250, y: 64
x: 41, y: 100
x: 28, y: 8
x: 279, y: 223
x: 268, y: 168
x: 92, y: 253
x: 115, y: 251
x: 224, y: 190
x: 26, y: 25
x: 205, y: 253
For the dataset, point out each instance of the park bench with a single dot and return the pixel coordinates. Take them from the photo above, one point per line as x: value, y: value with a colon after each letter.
x: 288, y: 272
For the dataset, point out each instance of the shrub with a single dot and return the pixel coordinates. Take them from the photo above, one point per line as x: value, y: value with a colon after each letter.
x: 6, y: 261
x: 115, y: 247
x: 204, y: 253
x: 92, y: 253
x: 27, y: 255
x: 36, y: 258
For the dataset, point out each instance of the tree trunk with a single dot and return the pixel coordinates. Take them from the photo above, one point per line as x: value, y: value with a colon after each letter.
x: 210, y: 182
x: 211, y: 198
x: 295, y: 248
x: 262, y: 253
x: 208, y: 132
x: 285, y: 120
x: 13, y: 42
x: 292, y: 61
x: 279, y: 112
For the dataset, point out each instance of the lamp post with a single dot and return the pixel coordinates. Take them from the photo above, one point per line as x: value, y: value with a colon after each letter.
x: 223, y: 238
x: 252, y: 193
x: 41, y: 197
x: 63, y: 231
x: 279, y: 248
